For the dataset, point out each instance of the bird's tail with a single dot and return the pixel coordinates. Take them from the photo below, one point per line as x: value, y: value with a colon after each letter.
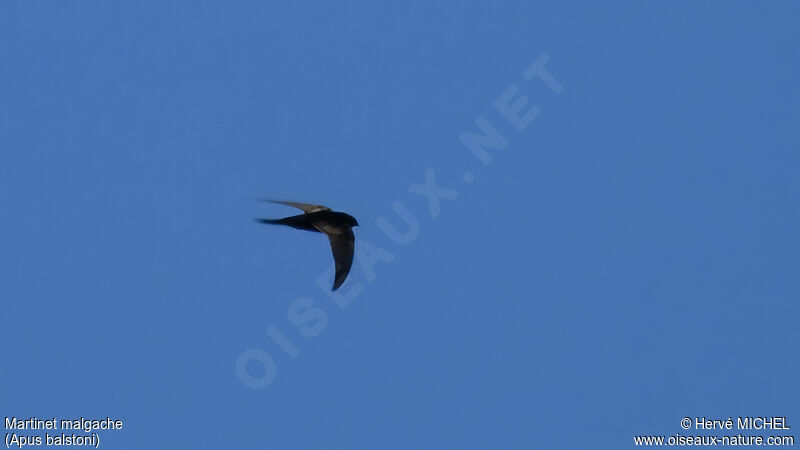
x: 300, y: 222
x: 270, y: 221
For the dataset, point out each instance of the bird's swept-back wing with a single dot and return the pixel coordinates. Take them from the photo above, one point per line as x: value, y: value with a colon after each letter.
x: 306, y: 207
x: 342, y: 246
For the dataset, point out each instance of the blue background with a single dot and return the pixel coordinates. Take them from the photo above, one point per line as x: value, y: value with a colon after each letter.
x: 629, y: 259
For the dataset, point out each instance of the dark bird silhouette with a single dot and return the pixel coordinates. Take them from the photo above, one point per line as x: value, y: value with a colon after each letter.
x: 337, y: 225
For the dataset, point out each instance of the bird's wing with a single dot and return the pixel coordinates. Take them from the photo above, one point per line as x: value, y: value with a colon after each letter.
x: 306, y: 207
x: 342, y: 246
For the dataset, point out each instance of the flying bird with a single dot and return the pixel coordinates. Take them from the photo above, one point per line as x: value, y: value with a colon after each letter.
x: 321, y: 219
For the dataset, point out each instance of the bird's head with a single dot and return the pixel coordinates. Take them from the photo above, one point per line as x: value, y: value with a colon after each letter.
x: 351, y: 221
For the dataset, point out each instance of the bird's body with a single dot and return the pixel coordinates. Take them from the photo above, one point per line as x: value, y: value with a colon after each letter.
x: 338, y: 226
x: 328, y: 222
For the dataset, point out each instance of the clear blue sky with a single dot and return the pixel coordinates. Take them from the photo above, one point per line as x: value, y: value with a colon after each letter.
x: 630, y: 257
